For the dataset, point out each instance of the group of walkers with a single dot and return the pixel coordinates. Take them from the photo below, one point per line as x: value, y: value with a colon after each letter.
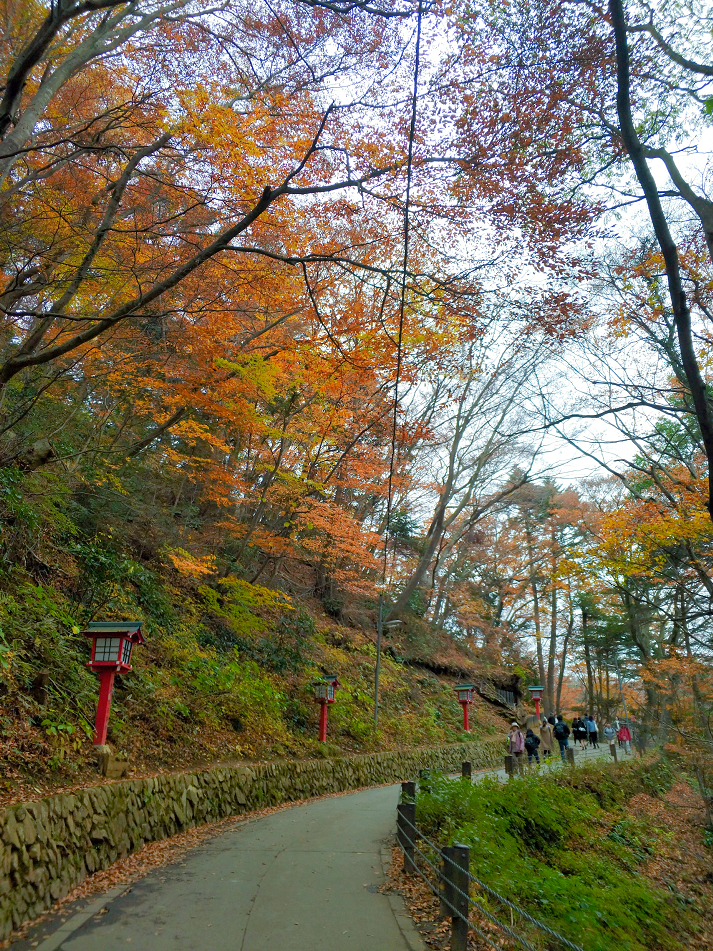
x: 541, y: 737
x: 585, y: 732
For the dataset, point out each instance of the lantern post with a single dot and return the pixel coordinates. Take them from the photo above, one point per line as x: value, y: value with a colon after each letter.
x: 324, y: 695
x: 536, y: 694
x: 112, y: 644
x: 464, y: 692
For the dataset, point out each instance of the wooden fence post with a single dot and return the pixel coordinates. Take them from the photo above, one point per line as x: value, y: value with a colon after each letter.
x: 460, y: 866
x: 466, y: 770
x: 406, y: 832
x: 447, y: 903
x: 408, y: 791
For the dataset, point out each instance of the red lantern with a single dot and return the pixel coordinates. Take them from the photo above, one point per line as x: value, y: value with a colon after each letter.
x: 112, y: 643
x: 536, y: 693
x: 464, y: 693
x: 324, y: 694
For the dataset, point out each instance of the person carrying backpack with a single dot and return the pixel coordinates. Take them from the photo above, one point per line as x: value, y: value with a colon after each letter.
x: 531, y: 744
x: 561, y: 734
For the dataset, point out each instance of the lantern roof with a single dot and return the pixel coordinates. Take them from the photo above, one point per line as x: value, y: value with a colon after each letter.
x: 535, y: 688
x: 464, y: 687
x: 128, y: 629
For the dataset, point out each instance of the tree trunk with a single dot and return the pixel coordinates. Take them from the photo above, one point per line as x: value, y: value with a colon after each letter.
x: 565, y: 645
x: 535, y: 607
x: 681, y: 313
x: 414, y: 581
x: 698, y: 700
x: 588, y: 661
x: 550, y: 685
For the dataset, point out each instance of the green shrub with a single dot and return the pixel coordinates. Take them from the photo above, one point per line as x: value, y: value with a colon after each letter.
x: 549, y: 844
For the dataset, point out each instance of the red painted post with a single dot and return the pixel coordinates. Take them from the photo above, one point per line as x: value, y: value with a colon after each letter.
x: 466, y: 724
x: 536, y: 694
x: 323, y: 722
x: 106, y: 686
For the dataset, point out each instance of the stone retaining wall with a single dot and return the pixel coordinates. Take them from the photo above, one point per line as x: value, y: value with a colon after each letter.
x: 50, y: 846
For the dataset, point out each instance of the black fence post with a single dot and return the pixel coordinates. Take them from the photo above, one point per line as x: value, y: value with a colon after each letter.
x: 466, y: 770
x: 408, y: 791
x: 447, y: 903
x: 460, y: 866
x: 406, y: 832
x: 510, y: 765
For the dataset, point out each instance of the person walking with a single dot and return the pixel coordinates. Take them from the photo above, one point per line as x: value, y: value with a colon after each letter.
x: 586, y: 727
x: 575, y: 727
x: 516, y: 743
x: 610, y: 737
x: 579, y: 731
x: 593, y: 732
x: 546, y: 739
x: 561, y: 733
x: 624, y: 736
x: 531, y: 744
x: 516, y: 740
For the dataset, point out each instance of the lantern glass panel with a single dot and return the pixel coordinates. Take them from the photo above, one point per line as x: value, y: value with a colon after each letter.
x: 107, y: 648
x: 330, y: 692
x: 320, y: 691
x: 126, y: 652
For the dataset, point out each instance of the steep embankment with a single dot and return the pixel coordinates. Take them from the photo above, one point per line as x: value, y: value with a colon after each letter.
x: 610, y: 857
x: 225, y: 676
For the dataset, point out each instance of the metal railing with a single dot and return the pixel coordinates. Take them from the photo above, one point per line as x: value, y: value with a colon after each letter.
x: 452, y: 884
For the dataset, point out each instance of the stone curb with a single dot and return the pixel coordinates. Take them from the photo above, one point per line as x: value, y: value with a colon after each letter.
x: 58, y: 937
x: 404, y: 920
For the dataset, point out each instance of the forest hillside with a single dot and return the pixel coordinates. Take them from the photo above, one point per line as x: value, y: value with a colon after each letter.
x: 319, y: 311
x: 226, y: 674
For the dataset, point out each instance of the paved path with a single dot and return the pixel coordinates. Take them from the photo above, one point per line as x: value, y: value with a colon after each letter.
x: 298, y: 880
x: 582, y: 755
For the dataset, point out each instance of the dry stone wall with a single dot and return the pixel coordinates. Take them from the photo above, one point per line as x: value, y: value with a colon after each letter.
x: 50, y: 846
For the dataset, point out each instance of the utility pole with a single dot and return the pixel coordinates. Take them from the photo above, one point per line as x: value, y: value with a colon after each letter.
x: 379, y: 631
x: 380, y: 625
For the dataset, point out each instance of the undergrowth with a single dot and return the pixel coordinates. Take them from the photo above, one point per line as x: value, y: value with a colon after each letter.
x: 564, y: 847
x: 226, y: 673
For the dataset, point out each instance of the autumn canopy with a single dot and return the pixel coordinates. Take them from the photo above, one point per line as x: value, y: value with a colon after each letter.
x: 328, y: 301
